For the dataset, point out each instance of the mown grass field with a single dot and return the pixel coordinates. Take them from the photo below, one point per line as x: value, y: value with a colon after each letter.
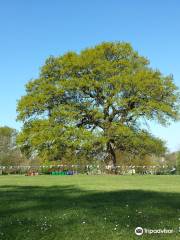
x: 88, y: 207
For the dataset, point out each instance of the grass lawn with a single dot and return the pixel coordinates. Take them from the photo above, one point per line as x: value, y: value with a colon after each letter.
x: 88, y: 207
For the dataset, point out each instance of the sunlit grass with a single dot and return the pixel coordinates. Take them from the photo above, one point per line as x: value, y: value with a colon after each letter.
x: 88, y: 207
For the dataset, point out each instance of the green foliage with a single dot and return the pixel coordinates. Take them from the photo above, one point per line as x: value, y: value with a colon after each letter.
x: 178, y: 163
x: 7, y: 139
x: 96, y: 102
x: 9, y: 153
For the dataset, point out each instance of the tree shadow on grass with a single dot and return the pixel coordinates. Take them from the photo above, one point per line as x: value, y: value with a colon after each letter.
x: 67, y: 212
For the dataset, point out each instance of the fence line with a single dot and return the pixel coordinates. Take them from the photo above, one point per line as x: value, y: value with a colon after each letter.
x: 77, y: 166
x: 85, y: 169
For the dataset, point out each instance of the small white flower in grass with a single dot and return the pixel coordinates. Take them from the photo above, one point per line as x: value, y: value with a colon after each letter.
x: 83, y: 222
x: 139, y: 212
x: 105, y: 218
x: 115, y: 229
x: 128, y: 216
x: 116, y: 225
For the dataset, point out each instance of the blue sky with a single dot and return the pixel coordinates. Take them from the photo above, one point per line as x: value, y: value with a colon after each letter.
x: 32, y: 30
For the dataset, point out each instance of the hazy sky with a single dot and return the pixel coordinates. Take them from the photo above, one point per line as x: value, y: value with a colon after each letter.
x: 32, y: 30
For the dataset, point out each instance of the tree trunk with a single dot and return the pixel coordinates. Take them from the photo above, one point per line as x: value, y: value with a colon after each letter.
x: 112, y: 153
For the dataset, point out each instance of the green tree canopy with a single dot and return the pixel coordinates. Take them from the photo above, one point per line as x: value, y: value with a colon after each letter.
x: 9, y: 153
x: 178, y: 163
x: 7, y: 139
x: 96, y: 102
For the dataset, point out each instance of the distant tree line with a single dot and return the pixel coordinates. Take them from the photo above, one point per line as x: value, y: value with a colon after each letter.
x: 10, y: 153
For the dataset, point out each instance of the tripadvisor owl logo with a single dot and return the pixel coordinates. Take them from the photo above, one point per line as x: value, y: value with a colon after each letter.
x: 139, y: 231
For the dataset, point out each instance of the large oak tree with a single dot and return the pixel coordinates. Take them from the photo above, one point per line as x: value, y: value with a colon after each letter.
x: 96, y: 103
